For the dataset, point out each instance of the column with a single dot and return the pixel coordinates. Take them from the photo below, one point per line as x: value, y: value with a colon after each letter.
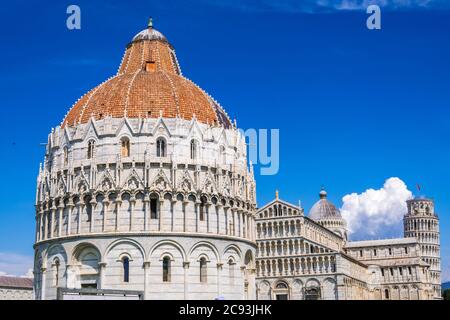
x: 252, y: 227
x: 93, y: 203
x: 208, y: 218
x: 146, y: 206
x: 249, y: 225
x: 240, y: 223
x: 233, y: 219
x: 161, y: 200
x: 218, y: 205
x: 225, y: 214
x: 244, y: 282
x: 186, y: 287
x: 80, y: 213
x: 101, y: 266
x: 70, y: 206
x: 41, y: 222
x: 132, y: 204
x: 45, y: 225
x: 146, y: 271
x: 43, y: 282
x: 173, y: 203
x: 105, y: 213
x: 52, y: 220
x: 197, y: 214
x: 219, y: 273
x: 60, y: 217
x: 185, y: 203
x: 71, y: 281
x: 37, y: 235
x: 118, y: 202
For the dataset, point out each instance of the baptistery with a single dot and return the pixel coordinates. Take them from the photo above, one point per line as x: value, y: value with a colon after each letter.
x: 145, y: 188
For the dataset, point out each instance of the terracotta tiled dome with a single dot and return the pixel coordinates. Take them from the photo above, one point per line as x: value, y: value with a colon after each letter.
x: 148, y: 84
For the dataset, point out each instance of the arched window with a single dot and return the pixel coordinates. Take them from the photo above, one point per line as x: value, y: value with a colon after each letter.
x: 160, y: 147
x: 386, y: 294
x: 56, y: 265
x: 166, y: 269
x: 125, y: 147
x: 153, y: 207
x: 281, y: 285
x: 88, y: 205
x: 90, y: 150
x: 312, y: 293
x: 66, y: 156
x: 203, y: 272
x: 194, y: 149
x: 202, y: 208
x: 126, y: 269
x: 231, y: 271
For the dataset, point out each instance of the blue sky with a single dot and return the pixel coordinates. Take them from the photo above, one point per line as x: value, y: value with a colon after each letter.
x: 354, y: 107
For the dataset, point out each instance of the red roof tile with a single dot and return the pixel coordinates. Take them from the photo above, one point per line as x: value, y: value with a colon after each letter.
x: 16, y: 282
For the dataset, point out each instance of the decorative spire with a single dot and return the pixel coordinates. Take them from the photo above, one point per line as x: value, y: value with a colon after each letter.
x: 276, y: 195
x: 150, y: 23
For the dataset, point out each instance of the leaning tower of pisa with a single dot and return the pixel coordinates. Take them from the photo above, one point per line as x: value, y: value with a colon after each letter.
x: 422, y: 223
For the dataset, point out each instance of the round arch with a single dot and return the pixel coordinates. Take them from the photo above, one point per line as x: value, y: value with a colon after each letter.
x: 125, y: 240
x: 206, y: 244
x: 170, y: 242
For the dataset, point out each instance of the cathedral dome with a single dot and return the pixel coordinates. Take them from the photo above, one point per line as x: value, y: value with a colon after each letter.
x: 148, y: 84
x: 324, y: 209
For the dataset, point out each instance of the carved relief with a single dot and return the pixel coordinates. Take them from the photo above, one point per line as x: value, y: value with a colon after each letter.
x: 61, y: 187
x: 106, y: 181
x: 186, y: 183
x: 209, y: 185
x: 160, y: 182
x: 81, y: 184
x: 226, y: 186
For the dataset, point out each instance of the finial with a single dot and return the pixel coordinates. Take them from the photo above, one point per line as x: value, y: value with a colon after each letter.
x: 150, y: 23
x: 276, y: 194
x: 322, y: 193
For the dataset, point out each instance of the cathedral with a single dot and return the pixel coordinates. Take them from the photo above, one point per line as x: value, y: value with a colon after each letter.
x: 308, y: 257
x: 146, y: 193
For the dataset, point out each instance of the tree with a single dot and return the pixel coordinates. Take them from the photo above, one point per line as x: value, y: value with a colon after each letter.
x: 446, y: 294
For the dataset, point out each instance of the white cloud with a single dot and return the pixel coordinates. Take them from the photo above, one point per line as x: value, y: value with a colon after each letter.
x: 377, y: 213
x: 13, y: 264
x: 312, y: 6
